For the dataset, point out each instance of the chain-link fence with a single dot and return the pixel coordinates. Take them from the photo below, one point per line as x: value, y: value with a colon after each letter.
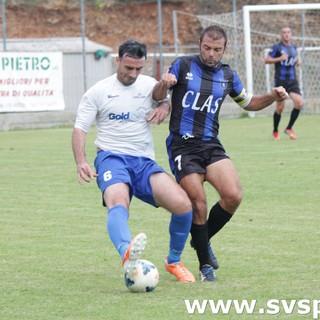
x: 93, y: 57
x: 265, y: 29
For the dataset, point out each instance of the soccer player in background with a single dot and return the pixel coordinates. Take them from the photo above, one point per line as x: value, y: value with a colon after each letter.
x: 122, y: 107
x: 284, y: 56
x: 195, y: 152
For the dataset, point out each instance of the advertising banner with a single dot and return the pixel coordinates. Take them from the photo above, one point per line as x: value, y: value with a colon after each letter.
x: 31, y: 81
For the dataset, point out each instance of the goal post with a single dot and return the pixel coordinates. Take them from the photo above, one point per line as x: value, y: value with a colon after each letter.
x: 247, y: 29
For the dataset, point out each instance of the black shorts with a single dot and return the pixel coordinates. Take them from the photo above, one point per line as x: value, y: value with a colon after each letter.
x: 289, y: 85
x: 193, y: 155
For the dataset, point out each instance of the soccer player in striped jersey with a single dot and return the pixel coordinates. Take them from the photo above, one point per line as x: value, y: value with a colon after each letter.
x: 199, y: 85
x: 284, y: 56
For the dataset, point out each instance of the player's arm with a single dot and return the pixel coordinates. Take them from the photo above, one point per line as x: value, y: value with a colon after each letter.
x: 160, y: 90
x: 250, y: 102
x: 275, y: 55
x: 260, y: 102
x: 160, y: 112
x: 84, y: 171
x: 271, y: 60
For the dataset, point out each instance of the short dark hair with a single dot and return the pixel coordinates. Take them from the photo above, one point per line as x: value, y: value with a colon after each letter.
x: 214, y: 32
x: 133, y: 48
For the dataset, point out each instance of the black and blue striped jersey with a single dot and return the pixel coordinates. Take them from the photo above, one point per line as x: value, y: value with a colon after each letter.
x: 284, y: 70
x: 198, y: 95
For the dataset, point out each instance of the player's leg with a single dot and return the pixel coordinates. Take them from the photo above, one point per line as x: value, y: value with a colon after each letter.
x: 117, y: 199
x: 114, y: 182
x: 193, y: 185
x: 223, y: 177
x: 297, y: 101
x: 276, y: 119
x: 169, y: 195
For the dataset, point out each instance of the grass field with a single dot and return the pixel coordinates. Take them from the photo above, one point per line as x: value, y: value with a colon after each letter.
x: 57, y: 261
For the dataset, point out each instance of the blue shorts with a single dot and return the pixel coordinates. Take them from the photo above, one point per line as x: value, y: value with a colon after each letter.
x: 134, y: 171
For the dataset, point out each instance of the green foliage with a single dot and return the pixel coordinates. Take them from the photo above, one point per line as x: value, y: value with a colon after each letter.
x: 99, y: 4
x: 57, y: 261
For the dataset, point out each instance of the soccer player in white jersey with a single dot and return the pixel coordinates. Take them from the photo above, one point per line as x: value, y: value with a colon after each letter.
x: 122, y: 107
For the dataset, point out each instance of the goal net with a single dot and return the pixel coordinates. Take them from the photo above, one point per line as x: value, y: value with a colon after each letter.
x: 251, y: 34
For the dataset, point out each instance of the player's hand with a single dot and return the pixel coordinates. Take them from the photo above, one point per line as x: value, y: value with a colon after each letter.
x: 159, y: 113
x: 284, y: 57
x: 279, y: 94
x: 85, y: 173
x: 169, y: 79
x: 298, y: 63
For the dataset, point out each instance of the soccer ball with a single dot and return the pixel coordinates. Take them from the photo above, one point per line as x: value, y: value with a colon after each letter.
x: 145, y: 277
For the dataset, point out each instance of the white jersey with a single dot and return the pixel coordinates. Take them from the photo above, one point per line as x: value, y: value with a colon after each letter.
x: 121, y: 114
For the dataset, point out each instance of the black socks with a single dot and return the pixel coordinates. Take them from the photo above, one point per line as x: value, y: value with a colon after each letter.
x: 218, y: 217
x: 293, y: 117
x: 276, y: 121
x: 199, y: 234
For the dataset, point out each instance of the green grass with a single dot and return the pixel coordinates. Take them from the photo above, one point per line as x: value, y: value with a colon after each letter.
x: 57, y: 261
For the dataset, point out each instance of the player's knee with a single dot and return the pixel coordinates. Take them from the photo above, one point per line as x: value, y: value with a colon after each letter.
x: 182, y: 204
x: 186, y: 205
x: 279, y: 110
x: 297, y: 101
x: 199, y: 211
x: 237, y: 198
x: 233, y: 200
